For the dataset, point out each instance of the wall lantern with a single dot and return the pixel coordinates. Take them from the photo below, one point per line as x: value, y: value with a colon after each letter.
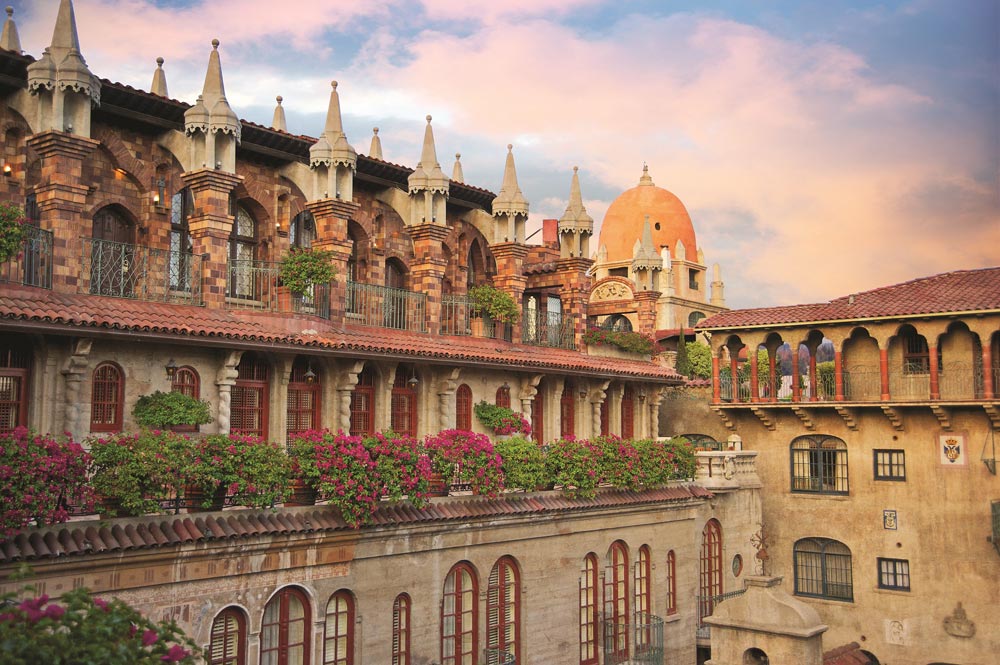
x: 171, y: 368
x: 7, y: 170
x: 412, y: 381
x: 642, y: 394
x: 505, y: 386
x: 583, y: 393
x: 310, y: 375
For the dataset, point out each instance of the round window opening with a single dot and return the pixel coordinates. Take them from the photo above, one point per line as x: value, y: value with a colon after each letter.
x: 657, y: 226
x: 737, y: 565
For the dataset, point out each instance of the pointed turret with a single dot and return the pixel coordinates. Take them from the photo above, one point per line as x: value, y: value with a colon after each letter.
x: 376, y: 148
x: 428, y: 175
x: 278, y: 122
x: 456, y: 171
x: 645, y: 259
x: 61, y: 77
x: 159, y: 84
x: 8, y: 38
x: 332, y: 158
x: 510, y: 207
x: 211, y: 123
x: 575, y: 226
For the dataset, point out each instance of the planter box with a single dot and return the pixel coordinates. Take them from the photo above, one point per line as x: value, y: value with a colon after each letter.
x: 608, y: 351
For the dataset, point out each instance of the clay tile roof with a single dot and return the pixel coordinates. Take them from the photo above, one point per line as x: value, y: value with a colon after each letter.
x: 82, y: 537
x: 950, y: 292
x: 849, y: 654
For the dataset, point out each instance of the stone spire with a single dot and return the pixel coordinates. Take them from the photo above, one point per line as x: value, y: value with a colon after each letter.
x: 9, y: 39
x: 456, y: 171
x: 376, y: 148
x: 510, y: 207
x: 575, y: 226
x: 427, y: 185
x: 62, y: 73
x: 718, y: 288
x: 159, y: 84
x: 645, y: 258
x: 278, y: 122
x: 332, y: 158
x: 211, y: 123
x: 645, y: 180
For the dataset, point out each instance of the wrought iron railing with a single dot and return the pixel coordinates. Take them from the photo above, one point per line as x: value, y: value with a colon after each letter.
x: 633, y: 642
x: 255, y: 285
x: 460, y: 317
x: 32, y: 266
x: 707, y: 605
x: 386, y: 307
x: 122, y: 270
x: 547, y: 329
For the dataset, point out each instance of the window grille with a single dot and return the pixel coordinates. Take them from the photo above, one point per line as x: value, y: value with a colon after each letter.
x: 894, y: 574
x: 819, y: 464
x: 890, y: 464
x: 106, y: 397
x: 823, y: 569
x: 463, y: 408
x: 338, y: 630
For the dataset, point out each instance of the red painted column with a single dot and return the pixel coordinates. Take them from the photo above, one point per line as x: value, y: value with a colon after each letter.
x: 883, y: 360
x: 813, y: 388
x: 987, y: 371
x: 838, y: 375
x: 935, y: 386
x: 716, y: 387
x: 773, y: 388
x: 796, y: 385
x: 734, y: 378
x: 754, y: 388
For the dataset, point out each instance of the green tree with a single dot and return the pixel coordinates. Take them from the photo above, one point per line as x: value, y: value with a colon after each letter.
x: 683, y: 365
x: 700, y: 358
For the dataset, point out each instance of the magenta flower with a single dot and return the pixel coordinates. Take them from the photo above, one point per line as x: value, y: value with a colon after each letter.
x: 149, y: 637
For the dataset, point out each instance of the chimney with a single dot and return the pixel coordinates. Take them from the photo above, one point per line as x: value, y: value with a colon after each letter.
x: 550, y: 233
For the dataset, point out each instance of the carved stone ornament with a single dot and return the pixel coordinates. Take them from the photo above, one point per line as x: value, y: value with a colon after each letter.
x: 958, y: 625
x: 611, y: 291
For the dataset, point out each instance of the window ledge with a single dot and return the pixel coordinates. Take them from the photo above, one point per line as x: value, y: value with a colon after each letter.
x: 820, y: 495
x: 835, y: 602
x: 671, y: 618
x: 893, y: 592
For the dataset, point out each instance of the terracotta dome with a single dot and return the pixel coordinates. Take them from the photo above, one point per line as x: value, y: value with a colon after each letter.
x: 668, y: 220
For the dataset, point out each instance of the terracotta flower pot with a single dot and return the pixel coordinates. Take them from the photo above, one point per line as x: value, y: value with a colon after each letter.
x: 195, y: 499
x: 438, y: 486
x: 301, y: 494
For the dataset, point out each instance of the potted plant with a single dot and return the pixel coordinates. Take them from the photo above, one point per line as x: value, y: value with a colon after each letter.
x: 629, y: 341
x: 131, y: 472
x: 576, y: 465
x: 471, y: 456
x: 347, y: 477
x: 39, y: 476
x: 160, y: 410
x: 11, y: 231
x: 402, y: 466
x: 302, y: 268
x: 501, y: 420
x: 522, y: 462
x: 255, y: 471
x: 498, y: 305
x: 303, y: 472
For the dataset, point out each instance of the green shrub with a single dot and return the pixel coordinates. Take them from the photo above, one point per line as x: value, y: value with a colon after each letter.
x: 162, y: 410
x: 523, y: 463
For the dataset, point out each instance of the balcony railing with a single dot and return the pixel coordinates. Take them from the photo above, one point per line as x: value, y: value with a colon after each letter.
x: 726, y: 469
x: 707, y: 605
x: 459, y: 317
x: 123, y: 270
x: 32, y: 266
x: 633, y: 642
x: 547, y: 329
x: 386, y: 307
x: 254, y: 285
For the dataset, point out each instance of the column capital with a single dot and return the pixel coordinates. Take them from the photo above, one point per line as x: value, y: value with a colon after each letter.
x: 52, y: 143
x: 332, y: 208
x: 211, y: 179
x: 513, y: 250
x: 428, y: 232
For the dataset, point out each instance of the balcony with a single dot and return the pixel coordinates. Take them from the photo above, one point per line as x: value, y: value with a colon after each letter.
x: 459, y: 317
x: 386, y: 307
x: 122, y: 270
x: 254, y: 285
x: 632, y: 642
x: 547, y: 329
x: 32, y: 266
x: 724, y: 470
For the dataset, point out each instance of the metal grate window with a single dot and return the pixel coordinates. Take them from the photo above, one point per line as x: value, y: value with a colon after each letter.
x: 894, y: 574
x: 249, y: 397
x: 823, y: 569
x: 463, y: 408
x: 106, y: 397
x: 628, y: 413
x: 819, y: 464
x: 363, y: 404
x: 890, y: 464
x: 567, y: 410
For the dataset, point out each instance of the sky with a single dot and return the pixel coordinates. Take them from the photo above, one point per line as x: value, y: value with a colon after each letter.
x: 821, y: 147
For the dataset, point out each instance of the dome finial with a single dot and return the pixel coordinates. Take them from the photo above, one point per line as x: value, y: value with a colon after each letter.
x: 159, y: 84
x: 278, y: 121
x: 645, y: 180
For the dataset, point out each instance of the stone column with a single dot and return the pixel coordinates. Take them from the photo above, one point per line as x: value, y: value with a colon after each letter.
x: 74, y: 373
x: 510, y: 276
x: 331, y: 216
x: 935, y: 381
x: 838, y: 375
x: 754, y: 386
x: 883, y: 362
x: 428, y: 268
x: 210, y: 227
x: 225, y: 380
x: 987, y: 369
x: 348, y: 379
x: 61, y: 197
x: 645, y: 302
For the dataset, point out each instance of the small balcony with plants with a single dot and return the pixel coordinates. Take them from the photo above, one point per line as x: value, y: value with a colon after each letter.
x: 298, y: 284
x: 485, y: 311
x: 552, y: 329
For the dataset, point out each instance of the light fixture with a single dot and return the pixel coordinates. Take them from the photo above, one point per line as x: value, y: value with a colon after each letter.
x: 7, y: 170
x: 160, y: 194
x: 156, y: 198
x: 642, y: 394
x: 583, y: 393
x: 412, y: 381
x: 171, y: 368
x: 505, y: 386
x: 310, y: 375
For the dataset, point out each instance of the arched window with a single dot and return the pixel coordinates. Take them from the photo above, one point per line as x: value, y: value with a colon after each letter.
x: 15, y: 366
x: 249, y: 397
x: 588, y: 611
x: 671, y: 582
x: 363, y: 404
x: 186, y: 382
x: 503, y: 396
x: 617, y: 323
x: 460, y: 617
x: 710, y: 568
x: 463, y: 408
x: 819, y: 464
x: 616, y: 610
x: 242, y: 254
x: 567, y: 410
x: 107, y: 395
x: 628, y: 413
x: 338, y: 631
x: 181, y: 247
x: 285, y: 629
x: 643, y: 600
x: 228, y: 642
x: 394, y: 302
x: 404, y: 402
x: 755, y: 656
x: 503, y: 611
x: 112, y: 254
x: 401, y: 630
x: 916, y: 354
x: 823, y: 569
x: 476, y: 268
x: 538, y: 417
x: 694, y: 318
x: 304, y: 390
x: 302, y: 230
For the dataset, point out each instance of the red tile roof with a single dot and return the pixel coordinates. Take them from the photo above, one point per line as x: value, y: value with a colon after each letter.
x: 950, y: 292
x: 35, y: 309
x: 849, y: 654
x: 118, y: 535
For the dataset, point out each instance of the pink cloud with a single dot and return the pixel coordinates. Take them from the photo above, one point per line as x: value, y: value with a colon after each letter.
x: 490, y: 11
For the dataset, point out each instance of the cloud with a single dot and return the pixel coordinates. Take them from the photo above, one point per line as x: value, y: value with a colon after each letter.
x: 488, y: 12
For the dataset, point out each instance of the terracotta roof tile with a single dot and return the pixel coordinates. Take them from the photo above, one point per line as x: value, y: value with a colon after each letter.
x: 80, y: 538
x: 849, y: 654
x: 34, y: 305
x: 958, y: 291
